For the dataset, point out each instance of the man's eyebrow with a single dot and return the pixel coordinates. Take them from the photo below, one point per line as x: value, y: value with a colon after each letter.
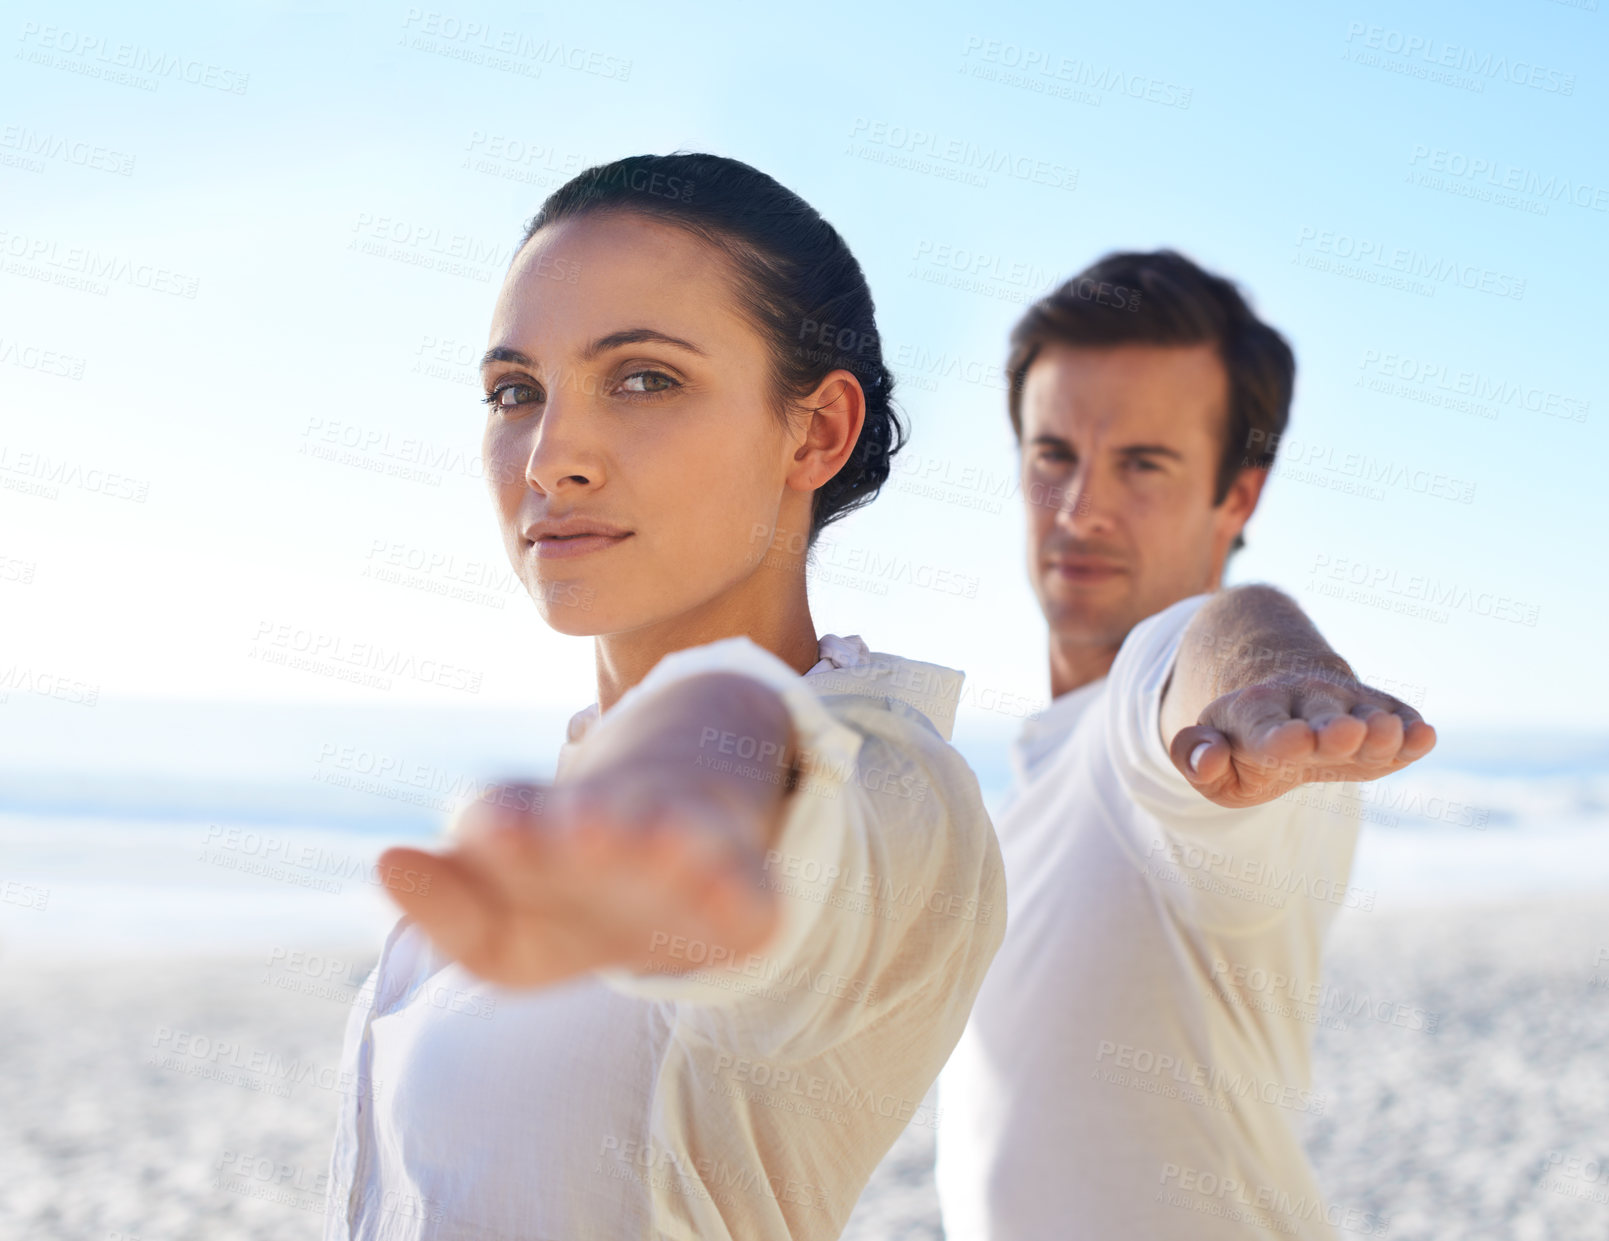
x: 1150, y: 450
x: 629, y: 336
x: 1128, y: 450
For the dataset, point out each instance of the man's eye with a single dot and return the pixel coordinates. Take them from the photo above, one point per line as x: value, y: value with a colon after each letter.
x: 1143, y: 464
x: 511, y: 396
x: 648, y: 381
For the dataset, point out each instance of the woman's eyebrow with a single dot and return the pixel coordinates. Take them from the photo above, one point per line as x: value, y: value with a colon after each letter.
x: 637, y: 336
x: 630, y: 336
x: 502, y: 353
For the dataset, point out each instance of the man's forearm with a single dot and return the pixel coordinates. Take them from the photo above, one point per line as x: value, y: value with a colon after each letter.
x: 1247, y: 635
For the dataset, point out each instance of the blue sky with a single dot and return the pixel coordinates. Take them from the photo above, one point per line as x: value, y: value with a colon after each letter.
x: 259, y: 421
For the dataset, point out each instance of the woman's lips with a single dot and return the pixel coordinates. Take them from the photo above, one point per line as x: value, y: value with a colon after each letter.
x: 576, y: 545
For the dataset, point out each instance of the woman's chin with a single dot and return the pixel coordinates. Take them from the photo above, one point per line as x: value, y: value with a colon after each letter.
x: 573, y: 620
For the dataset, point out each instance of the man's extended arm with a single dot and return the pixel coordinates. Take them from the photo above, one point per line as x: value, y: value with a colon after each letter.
x: 1259, y: 703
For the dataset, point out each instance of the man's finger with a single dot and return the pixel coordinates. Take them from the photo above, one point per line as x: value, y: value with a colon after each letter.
x: 1383, y: 734
x: 1337, y: 733
x: 1418, y: 740
x: 1250, y: 720
x: 1202, y: 753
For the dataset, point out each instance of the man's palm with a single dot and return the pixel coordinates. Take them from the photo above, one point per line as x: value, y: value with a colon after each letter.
x: 1254, y: 744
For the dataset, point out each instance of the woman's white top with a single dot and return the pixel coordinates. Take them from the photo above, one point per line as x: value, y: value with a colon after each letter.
x: 750, y: 1098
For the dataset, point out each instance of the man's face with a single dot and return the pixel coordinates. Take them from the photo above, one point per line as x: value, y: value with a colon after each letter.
x: 1120, y: 454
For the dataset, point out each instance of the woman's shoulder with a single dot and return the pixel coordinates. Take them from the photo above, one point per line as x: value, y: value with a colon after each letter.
x: 850, y: 670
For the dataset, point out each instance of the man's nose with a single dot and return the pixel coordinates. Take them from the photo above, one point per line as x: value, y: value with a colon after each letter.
x: 1083, y: 509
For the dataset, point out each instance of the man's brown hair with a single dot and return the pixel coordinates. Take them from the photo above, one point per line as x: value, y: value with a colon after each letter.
x: 1162, y: 298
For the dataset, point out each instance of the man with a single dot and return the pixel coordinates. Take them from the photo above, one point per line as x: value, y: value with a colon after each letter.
x: 1137, y: 1064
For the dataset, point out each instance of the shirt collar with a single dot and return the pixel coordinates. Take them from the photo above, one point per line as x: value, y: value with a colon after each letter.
x: 1044, y: 732
x: 836, y: 654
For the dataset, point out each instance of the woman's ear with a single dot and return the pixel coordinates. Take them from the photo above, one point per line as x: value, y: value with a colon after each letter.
x: 836, y: 413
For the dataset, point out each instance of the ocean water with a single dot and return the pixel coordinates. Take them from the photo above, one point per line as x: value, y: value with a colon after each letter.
x: 133, y: 828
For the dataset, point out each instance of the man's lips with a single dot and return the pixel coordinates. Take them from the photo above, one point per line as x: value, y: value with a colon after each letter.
x: 1082, y: 570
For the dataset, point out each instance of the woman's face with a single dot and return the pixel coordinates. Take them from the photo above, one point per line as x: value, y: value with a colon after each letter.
x: 630, y: 397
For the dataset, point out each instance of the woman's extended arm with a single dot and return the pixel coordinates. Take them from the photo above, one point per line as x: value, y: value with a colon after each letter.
x: 655, y: 838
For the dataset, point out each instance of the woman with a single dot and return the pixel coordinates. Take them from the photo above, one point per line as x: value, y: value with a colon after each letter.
x: 697, y: 986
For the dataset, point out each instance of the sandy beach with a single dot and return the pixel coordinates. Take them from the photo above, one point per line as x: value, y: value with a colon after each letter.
x: 1463, y: 1065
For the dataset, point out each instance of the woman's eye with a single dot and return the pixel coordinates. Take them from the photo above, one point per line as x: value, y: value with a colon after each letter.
x: 648, y: 381
x: 511, y: 396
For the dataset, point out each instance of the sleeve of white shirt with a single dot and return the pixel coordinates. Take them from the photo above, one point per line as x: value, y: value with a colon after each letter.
x: 1230, y: 868
x: 886, y: 870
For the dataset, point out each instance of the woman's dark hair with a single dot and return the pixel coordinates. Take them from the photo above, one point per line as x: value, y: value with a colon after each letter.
x: 1162, y: 298
x: 797, y: 281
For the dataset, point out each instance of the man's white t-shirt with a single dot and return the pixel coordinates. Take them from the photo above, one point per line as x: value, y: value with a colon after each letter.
x: 750, y: 1098
x: 1137, y: 1064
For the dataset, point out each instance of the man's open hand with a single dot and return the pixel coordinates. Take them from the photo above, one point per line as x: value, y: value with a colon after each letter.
x: 1254, y: 744
x: 548, y: 882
